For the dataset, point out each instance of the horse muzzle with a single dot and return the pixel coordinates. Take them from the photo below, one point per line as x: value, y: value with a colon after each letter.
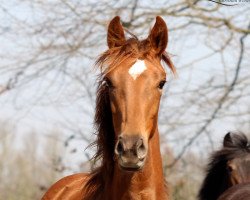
x: 131, y: 152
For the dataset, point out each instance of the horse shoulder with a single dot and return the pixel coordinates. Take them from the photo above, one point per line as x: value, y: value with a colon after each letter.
x: 69, y: 187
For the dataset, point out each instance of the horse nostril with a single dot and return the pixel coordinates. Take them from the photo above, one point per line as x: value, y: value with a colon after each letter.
x: 141, y: 149
x: 119, y: 148
x: 131, y: 147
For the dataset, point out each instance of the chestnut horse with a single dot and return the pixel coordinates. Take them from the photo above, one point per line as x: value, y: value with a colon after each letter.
x: 228, y: 173
x: 127, y: 105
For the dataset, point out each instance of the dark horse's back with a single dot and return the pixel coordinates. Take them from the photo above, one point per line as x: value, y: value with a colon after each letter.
x: 237, y: 192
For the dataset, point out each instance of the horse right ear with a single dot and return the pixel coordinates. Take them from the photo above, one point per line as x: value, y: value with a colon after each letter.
x: 116, y: 36
x: 159, y: 36
x: 228, y: 142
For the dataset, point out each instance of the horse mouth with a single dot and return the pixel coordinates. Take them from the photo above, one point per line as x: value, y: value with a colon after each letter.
x: 131, y: 169
x: 132, y: 166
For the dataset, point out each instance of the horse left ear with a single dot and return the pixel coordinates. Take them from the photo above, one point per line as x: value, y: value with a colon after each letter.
x: 116, y: 36
x: 158, y: 36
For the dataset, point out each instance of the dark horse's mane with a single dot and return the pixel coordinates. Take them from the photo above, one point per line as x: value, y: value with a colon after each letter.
x: 105, y: 142
x: 216, y: 180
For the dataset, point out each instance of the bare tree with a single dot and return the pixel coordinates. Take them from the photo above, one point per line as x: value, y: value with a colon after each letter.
x: 28, y: 169
x: 49, y: 49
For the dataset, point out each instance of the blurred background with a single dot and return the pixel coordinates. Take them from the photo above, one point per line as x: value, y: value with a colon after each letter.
x: 48, y: 86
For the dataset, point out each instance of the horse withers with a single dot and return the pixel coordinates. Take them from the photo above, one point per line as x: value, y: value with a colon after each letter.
x: 126, y: 119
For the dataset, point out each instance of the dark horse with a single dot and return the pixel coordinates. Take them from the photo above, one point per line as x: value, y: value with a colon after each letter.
x: 228, y: 173
x: 126, y: 121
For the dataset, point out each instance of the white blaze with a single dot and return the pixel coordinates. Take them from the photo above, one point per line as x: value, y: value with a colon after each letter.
x: 137, y: 69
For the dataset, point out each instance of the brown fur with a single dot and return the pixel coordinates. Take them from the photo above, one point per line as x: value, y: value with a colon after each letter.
x: 107, y: 181
x: 113, y: 57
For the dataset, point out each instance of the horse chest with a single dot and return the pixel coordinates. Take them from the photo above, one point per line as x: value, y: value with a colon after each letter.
x: 139, y: 196
x: 146, y: 194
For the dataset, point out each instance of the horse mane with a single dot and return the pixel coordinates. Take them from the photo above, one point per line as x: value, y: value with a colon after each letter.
x: 105, y: 142
x: 216, y: 180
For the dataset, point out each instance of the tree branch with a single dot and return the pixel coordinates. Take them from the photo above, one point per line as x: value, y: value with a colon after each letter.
x: 219, y: 106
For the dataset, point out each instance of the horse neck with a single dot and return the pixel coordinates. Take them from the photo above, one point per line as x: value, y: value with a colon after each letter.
x: 146, y: 184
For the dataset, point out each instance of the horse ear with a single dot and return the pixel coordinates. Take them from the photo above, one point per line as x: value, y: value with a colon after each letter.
x: 116, y: 36
x: 228, y: 141
x: 158, y: 36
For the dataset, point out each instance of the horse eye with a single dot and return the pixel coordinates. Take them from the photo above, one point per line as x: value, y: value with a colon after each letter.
x: 230, y: 168
x: 161, y: 84
x: 108, y: 83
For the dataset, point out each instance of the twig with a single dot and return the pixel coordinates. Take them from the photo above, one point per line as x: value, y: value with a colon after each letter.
x: 219, y: 106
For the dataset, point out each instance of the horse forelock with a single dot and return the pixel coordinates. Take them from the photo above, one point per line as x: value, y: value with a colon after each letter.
x: 134, y: 49
x: 238, y: 141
